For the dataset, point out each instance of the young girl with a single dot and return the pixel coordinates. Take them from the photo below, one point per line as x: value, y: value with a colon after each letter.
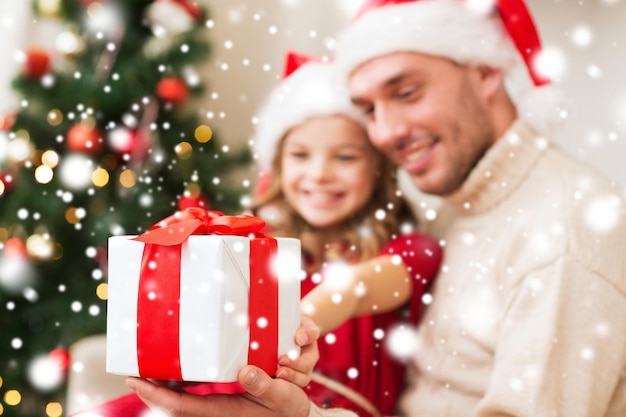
x: 323, y: 182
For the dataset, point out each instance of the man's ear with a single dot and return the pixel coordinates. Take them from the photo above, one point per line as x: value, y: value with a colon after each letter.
x: 491, y: 80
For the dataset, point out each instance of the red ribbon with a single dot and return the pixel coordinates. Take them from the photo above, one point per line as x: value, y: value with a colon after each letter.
x: 175, y: 229
x: 158, y: 352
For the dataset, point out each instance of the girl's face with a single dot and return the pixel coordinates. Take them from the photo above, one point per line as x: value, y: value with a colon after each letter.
x: 328, y: 169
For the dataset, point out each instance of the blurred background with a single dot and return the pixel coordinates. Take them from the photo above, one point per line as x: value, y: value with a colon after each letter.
x: 115, y: 113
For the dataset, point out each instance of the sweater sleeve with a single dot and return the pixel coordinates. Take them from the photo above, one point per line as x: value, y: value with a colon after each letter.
x: 422, y: 255
x: 557, y: 343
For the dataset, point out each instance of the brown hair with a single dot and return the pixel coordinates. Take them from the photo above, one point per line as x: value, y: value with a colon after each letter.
x: 359, y: 238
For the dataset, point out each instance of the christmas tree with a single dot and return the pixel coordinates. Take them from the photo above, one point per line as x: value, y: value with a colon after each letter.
x: 104, y: 143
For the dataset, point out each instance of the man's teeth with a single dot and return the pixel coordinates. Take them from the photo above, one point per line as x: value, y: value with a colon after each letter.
x: 414, y: 156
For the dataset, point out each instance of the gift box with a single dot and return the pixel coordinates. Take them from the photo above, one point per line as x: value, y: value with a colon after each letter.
x: 200, y: 296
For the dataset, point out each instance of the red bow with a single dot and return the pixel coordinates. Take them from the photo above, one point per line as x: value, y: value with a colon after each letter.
x: 177, y: 228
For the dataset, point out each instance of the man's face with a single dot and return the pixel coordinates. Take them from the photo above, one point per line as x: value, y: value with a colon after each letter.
x: 428, y: 114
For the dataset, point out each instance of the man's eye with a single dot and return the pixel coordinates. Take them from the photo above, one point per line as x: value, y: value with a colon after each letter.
x: 366, y: 110
x: 408, y: 93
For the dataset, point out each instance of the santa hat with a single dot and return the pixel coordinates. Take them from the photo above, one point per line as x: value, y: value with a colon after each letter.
x: 311, y: 87
x: 497, y: 33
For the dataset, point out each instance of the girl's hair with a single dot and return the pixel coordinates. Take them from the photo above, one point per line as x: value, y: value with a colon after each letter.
x: 359, y: 238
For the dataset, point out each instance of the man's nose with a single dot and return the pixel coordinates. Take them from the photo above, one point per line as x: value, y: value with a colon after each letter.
x: 386, y: 127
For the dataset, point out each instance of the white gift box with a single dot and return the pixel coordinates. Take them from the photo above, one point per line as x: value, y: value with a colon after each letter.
x: 208, y: 327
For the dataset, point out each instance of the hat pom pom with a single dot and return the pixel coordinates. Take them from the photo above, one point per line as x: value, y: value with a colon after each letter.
x: 544, y: 108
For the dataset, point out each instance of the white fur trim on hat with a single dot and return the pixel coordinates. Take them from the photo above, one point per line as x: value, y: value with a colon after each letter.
x: 313, y: 90
x: 436, y: 27
x: 446, y: 28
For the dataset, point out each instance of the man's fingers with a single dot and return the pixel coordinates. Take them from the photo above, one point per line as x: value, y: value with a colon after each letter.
x: 165, y: 400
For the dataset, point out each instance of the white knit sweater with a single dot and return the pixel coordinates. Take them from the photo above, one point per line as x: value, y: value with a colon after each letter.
x: 528, y: 316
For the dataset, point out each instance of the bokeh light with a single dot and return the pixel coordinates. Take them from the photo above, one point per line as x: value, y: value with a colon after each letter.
x: 55, y: 117
x: 75, y: 171
x: 12, y: 397
x: 54, y: 409
x: 203, y: 133
x: 50, y: 159
x: 44, y: 373
x: 183, y: 150
x: 128, y: 178
x: 43, y: 174
x: 102, y: 291
x: 100, y: 177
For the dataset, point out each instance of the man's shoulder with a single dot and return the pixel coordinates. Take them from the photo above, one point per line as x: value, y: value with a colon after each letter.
x: 584, y: 206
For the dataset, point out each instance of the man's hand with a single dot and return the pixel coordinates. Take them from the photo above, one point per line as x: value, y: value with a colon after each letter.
x: 264, y: 396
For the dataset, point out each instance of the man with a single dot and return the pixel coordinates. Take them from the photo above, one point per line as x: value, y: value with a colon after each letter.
x: 528, y: 315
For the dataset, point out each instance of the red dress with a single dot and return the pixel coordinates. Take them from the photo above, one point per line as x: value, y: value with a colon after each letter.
x: 356, y: 348
x: 355, y: 356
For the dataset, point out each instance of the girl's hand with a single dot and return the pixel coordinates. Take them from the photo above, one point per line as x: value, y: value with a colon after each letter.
x: 298, y: 370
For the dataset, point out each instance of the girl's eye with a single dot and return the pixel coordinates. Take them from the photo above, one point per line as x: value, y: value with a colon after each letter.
x: 298, y: 155
x: 346, y: 157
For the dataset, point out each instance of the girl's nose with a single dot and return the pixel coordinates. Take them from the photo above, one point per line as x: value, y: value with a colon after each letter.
x: 319, y: 169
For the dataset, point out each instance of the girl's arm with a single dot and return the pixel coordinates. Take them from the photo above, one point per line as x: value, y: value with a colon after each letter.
x: 370, y: 287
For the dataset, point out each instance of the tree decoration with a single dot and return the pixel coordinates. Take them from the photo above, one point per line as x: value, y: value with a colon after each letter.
x: 91, y: 152
x: 172, y: 90
x: 192, y: 8
x: 188, y: 200
x: 7, y: 121
x: 168, y: 18
x: 48, y: 8
x: 6, y: 182
x: 61, y: 357
x: 36, y: 63
x: 83, y: 137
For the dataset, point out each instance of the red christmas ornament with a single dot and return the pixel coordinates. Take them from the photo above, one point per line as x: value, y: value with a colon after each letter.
x: 173, y: 90
x: 198, y: 201
x: 61, y: 357
x: 84, y: 138
x: 6, y: 178
x: 15, y: 248
x: 37, y: 63
x: 7, y: 121
x: 132, y: 142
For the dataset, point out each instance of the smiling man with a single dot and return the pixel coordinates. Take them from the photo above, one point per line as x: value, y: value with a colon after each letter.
x: 524, y: 317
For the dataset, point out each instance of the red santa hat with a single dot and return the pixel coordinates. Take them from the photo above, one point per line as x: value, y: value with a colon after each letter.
x: 311, y: 87
x: 498, y: 33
